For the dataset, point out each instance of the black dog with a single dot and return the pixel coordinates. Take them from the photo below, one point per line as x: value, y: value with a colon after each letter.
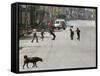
x: 33, y: 60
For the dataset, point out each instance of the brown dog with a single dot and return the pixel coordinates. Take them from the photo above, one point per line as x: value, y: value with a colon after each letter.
x: 33, y: 60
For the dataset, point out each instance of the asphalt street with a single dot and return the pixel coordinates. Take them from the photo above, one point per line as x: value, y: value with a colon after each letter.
x: 61, y: 53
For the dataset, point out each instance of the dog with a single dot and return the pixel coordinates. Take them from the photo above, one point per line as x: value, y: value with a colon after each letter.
x: 33, y: 60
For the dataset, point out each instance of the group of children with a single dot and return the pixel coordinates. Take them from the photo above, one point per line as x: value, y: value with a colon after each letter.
x: 42, y: 35
x: 72, y: 33
x: 51, y: 31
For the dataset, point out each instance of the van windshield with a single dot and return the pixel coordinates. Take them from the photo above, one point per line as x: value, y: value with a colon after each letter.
x: 57, y: 22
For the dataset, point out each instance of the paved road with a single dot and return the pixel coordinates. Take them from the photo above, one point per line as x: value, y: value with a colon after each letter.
x: 62, y: 52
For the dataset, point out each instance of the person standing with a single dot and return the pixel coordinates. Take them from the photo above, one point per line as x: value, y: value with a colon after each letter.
x: 71, y: 33
x: 63, y: 25
x: 42, y: 34
x: 35, y: 35
x: 78, y: 33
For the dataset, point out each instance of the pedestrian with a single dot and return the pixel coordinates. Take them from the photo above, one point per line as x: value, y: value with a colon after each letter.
x: 63, y: 25
x: 42, y: 34
x: 78, y: 33
x: 35, y: 35
x: 53, y: 34
x: 71, y: 33
x: 51, y: 29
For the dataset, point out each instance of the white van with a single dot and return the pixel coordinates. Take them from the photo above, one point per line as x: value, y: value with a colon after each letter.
x: 58, y: 23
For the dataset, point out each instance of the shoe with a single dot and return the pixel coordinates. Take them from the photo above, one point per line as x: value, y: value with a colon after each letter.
x: 53, y: 39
